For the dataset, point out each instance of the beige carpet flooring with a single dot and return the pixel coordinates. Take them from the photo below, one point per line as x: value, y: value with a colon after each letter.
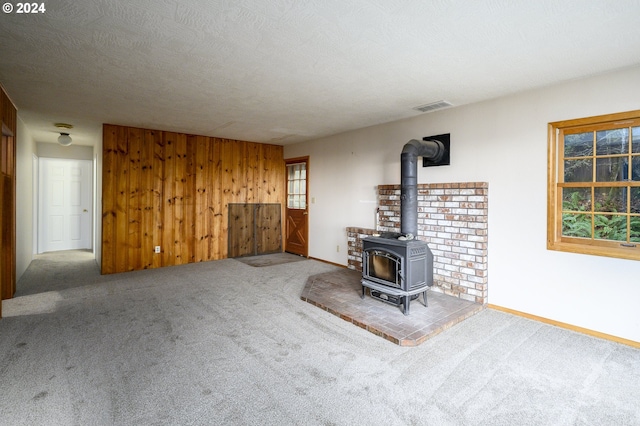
x: 225, y: 343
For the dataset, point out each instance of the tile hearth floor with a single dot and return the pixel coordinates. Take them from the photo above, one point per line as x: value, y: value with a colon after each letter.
x: 339, y: 293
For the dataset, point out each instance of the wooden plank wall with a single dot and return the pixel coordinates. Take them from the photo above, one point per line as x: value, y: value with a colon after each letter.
x: 173, y: 190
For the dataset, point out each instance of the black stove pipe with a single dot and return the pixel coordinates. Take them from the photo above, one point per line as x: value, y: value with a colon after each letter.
x: 431, y: 149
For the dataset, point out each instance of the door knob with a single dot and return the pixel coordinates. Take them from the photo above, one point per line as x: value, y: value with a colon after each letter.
x: 305, y: 212
x: 85, y: 210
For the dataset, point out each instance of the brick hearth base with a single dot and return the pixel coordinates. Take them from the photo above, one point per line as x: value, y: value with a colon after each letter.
x: 339, y: 293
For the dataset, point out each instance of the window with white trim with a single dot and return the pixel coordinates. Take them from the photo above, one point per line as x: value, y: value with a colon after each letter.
x: 594, y: 186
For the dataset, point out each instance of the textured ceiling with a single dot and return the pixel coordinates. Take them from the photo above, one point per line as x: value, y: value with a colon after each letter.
x: 284, y: 71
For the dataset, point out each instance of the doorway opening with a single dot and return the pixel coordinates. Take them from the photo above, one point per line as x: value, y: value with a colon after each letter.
x: 65, y: 205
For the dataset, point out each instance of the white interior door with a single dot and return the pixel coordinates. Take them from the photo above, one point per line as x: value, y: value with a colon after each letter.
x: 66, y: 204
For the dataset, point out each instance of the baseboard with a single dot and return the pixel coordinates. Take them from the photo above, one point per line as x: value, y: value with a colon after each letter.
x: 568, y: 326
x: 326, y: 261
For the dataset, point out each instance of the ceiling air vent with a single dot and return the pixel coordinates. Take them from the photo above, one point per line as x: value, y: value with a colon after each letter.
x: 433, y: 106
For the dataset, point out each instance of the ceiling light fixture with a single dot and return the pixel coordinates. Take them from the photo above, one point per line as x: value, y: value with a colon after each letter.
x: 64, y: 139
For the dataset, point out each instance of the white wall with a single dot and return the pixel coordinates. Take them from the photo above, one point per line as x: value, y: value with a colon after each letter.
x: 25, y: 149
x: 72, y: 152
x: 503, y: 142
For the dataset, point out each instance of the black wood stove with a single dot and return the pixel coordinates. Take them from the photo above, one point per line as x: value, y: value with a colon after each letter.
x: 396, y: 267
x: 396, y: 271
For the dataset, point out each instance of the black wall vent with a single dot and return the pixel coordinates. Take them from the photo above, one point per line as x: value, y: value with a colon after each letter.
x: 446, y: 158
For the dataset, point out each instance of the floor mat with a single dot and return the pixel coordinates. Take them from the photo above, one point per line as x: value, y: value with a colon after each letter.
x: 270, y: 259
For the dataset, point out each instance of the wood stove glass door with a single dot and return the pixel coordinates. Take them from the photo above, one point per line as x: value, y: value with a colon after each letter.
x: 297, y: 213
x: 383, y: 267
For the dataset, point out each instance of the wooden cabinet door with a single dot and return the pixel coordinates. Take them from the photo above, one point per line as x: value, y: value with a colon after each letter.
x: 254, y: 229
x: 268, y: 231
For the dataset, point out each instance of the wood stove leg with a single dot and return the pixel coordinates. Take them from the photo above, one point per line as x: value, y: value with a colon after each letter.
x: 405, y: 302
x: 424, y: 296
x: 363, y: 293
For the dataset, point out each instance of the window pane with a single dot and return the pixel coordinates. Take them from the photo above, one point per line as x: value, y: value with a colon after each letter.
x: 578, y: 145
x: 576, y: 225
x: 635, y: 230
x: 296, y: 186
x: 576, y: 199
x: 635, y: 139
x: 610, y: 227
x: 635, y: 168
x: 611, y: 169
x: 611, y: 142
x: 611, y: 199
x: 635, y: 200
x: 578, y: 170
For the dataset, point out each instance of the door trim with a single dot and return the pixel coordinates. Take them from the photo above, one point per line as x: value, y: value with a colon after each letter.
x: 35, y: 186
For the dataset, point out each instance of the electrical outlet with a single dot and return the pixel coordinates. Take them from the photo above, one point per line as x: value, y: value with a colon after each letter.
x: 338, y: 248
x: 157, y: 249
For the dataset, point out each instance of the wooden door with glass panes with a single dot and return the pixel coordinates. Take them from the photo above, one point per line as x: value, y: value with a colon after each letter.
x: 297, y: 213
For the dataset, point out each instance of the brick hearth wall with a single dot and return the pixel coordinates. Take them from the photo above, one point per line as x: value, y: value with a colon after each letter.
x: 452, y: 219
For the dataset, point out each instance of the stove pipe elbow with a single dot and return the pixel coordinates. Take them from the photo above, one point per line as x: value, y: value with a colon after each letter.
x: 430, y: 149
